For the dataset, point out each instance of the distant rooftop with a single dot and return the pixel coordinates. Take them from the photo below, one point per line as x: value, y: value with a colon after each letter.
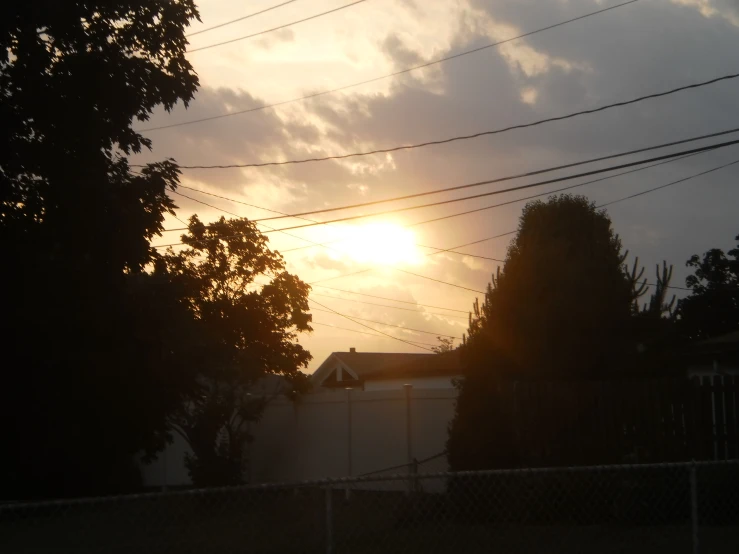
x: 369, y: 366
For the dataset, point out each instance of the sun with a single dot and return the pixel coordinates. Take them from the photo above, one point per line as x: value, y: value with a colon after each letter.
x: 380, y: 243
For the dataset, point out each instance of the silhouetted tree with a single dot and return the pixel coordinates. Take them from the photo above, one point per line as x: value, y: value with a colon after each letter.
x: 561, y: 304
x: 712, y: 309
x: 87, y: 381
x: 658, y: 305
x: 445, y: 345
x: 247, y: 331
x: 560, y: 308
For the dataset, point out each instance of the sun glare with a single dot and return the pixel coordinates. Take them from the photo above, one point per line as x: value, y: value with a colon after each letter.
x: 380, y: 243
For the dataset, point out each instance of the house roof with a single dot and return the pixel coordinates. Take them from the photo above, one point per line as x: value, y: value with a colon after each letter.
x: 368, y: 366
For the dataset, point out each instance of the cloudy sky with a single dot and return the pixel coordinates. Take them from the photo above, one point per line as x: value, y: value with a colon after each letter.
x: 645, y: 47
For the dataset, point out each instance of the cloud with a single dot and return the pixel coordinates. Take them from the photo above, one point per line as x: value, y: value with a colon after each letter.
x: 399, y: 53
x: 726, y: 9
x: 635, y: 50
x: 275, y: 37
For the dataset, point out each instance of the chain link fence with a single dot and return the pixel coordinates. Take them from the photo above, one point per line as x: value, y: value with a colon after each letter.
x: 672, y: 508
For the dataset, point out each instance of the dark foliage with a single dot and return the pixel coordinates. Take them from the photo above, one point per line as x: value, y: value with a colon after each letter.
x: 712, y: 309
x: 560, y: 309
x: 561, y: 305
x: 91, y: 360
x: 245, y: 332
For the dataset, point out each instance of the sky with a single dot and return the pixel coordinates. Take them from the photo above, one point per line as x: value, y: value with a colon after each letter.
x: 639, y: 49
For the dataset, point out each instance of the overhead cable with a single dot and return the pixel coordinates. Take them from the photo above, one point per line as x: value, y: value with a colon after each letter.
x: 672, y: 183
x: 239, y: 19
x: 381, y: 77
x: 397, y: 326
x: 361, y: 332
x: 301, y: 215
x: 275, y: 28
x: 370, y: 328
x: 480, y: 134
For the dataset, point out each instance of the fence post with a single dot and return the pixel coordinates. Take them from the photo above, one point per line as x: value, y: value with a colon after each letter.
x: 329, y: 521
x: 409, y: 435
x: 694, y: 506
x: 349, y: 469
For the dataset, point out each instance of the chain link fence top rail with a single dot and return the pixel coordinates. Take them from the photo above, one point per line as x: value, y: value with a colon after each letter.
x: 673, y: 508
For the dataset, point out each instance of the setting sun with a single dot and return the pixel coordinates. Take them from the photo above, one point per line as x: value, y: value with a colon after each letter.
x: 380, y: 243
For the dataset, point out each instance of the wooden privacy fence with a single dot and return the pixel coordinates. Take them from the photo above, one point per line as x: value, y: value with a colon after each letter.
x: 606, y: 422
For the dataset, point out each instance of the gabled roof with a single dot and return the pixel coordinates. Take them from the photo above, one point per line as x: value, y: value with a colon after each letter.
x: 368, y: 366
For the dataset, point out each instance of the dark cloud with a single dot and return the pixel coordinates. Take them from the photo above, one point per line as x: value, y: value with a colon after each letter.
x: 399, y: 53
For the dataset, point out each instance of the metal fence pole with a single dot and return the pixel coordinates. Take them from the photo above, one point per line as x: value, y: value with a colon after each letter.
x: 329, y: 521
x: 694, y: 507
x: 409, y: 435
x: 349, y: 469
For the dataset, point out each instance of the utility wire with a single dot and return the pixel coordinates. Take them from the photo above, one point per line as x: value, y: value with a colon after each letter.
x: 678, y: 155
x: 381, y: 77
x: 436, y: 280
x: 276, y: 28
x: 355, y: 320
x: 386, y: 306
x: 286, y: 250
x: 682, y: 155
x: 370, y: 328
x: 477, y: 135
x: 513, y: 189
x: 667, y: 185
x: 398, y: 326
x: 449, y: 189
x: 672, y: 183
x: 271, y: 229
x: 240, y: 18
x: 561, y: 189
x: 454, y: 249
x: 360, y: 332
x: 392, y: 299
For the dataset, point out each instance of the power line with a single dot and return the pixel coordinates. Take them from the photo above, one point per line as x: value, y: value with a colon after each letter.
x: 240, y: 18
x: 386, y: 306
x: 325, y: 245
x: 381, y: 77
x: 397, y: 326
x: 371, y: 328
x: 496, y: 236
x: 276, y: 28
x: 392, y: 299
x: 667, y: 185
x: 360, y: 332
x: 669, y: 159
x: 178, y: 219
x: 692, y: 152
x: 561, y: 189
x: 436, y: 280
x: 358, y: 293
x: 270, y: 229
x: 477, y: 135
x: 513, y: 189
x: 453, y: 249
x: 514, y: 231
x: 449, y: 189
x: 668, y: 286
x: 231, y: 200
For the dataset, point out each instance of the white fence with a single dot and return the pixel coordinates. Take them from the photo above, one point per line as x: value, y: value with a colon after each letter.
x: 333, y: 434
